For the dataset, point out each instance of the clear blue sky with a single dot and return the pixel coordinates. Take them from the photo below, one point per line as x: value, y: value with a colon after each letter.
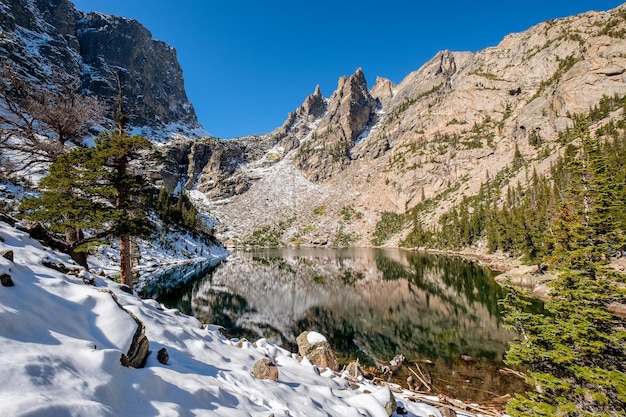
x: 248, y: 63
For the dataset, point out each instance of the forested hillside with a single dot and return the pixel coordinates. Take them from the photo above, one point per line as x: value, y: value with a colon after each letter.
x: 585, y: 184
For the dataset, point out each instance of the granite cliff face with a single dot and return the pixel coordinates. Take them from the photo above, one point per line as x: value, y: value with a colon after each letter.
x: 325, y: 176
x: 104, y: 52
x: 349, y: 111
x: 336, y: 164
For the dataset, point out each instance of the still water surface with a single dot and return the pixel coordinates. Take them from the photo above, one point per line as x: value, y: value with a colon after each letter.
x: 371, y: 304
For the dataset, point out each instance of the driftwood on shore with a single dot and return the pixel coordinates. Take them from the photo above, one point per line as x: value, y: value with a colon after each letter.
x: 493, y: 408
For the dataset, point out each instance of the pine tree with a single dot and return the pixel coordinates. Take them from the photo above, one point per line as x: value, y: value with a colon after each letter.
x: 98, y: 189
x: 575, y: 351
x: 63, y: 202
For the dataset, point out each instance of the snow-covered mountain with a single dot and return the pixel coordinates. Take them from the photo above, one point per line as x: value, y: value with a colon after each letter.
x: 40, y: 37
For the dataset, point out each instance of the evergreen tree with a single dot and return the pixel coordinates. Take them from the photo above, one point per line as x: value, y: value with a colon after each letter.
x: 575, y: 351
x: 63, y: 203
x: 100, y: 190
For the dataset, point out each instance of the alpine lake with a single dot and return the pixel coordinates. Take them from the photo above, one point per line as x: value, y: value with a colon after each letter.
x: 440, y: 312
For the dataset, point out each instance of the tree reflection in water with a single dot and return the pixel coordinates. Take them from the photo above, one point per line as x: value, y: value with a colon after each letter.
x: 371, y: 304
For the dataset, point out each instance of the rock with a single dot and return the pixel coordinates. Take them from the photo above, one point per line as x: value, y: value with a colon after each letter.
x: 96, y: 48
x: 617, y: 309
x: 163, y: 356
x: 138, y: 351
x: 89, y: 281
x: 265, y: 369
x: 214, y: 163
x: 152, y: 80
x: 353, y: 370
x: 126, y: 289
x: 350, y: 110
x: 383, y: 90
x: 7, y: 254
x: 317, y: 350
x: 6, y: 281
x: 447, y: 412
x: 241, y: 342
x: 57, y: 266
x: 313, y: 107
x: 140, y: 345
x: 542, y: 291
x: 467, y: 359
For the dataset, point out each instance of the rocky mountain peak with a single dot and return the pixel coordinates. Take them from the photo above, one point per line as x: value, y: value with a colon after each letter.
x: 383, y: 90
x: 40, y: 36
x: 349, y: 111
x: 314, y: 106
x: 299, y: 123
x: 461, y: 119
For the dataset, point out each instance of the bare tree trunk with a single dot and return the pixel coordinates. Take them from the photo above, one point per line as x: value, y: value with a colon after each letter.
x: 72, y: 236
x: 126, y: 272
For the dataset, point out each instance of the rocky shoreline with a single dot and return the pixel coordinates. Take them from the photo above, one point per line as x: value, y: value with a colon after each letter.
x: 513, y: 272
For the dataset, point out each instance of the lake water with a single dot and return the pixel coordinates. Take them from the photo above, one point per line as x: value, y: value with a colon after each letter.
x: 371, y: 304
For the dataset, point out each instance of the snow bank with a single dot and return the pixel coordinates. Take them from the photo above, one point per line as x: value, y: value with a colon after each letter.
x: 62, y: 341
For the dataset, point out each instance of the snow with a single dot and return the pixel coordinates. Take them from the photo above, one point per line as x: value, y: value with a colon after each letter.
x: 315, y: 337
x: 62, y: 341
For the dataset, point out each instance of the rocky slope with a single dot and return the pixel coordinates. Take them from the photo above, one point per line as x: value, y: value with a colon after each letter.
x: 103, y: 51
x: 337, y: 163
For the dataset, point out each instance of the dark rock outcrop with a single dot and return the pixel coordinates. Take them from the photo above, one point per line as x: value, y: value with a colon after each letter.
x: 6, y: 280
x: 212, y: 163
x: 138, y: 352
x: 162, y: 356
x: 104, y: 52
x: 149, y: 72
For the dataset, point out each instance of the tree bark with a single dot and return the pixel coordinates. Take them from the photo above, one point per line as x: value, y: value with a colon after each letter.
x: 72, y: 237
x: 126, y: 273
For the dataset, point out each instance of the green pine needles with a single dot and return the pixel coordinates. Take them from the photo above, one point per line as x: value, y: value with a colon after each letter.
x: 99, y: 189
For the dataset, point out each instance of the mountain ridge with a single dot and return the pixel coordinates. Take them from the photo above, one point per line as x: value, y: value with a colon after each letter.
x: 106, y: 53
x: 438, y: 134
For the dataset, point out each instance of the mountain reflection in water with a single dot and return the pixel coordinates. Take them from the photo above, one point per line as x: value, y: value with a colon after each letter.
x: 371, y: 304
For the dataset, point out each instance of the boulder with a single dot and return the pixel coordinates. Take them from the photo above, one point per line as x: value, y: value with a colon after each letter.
x: 353, y: 370
x: 317, y: 350
x: 6, y: 280
x: 7, y: 254
x: 138, y: 351
x: 265, y: 369
x: 163, y: 356
x: 385, y: 397
x: 127, y: 289
x: 140, y: 345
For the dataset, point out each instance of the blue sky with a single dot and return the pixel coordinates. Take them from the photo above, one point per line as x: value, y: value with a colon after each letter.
x: 248, y: 63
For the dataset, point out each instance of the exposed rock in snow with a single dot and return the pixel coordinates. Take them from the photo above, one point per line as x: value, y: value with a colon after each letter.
x: 62, y: 341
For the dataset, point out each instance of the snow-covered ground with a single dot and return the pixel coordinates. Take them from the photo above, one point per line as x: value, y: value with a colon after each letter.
x: 62, y: 341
